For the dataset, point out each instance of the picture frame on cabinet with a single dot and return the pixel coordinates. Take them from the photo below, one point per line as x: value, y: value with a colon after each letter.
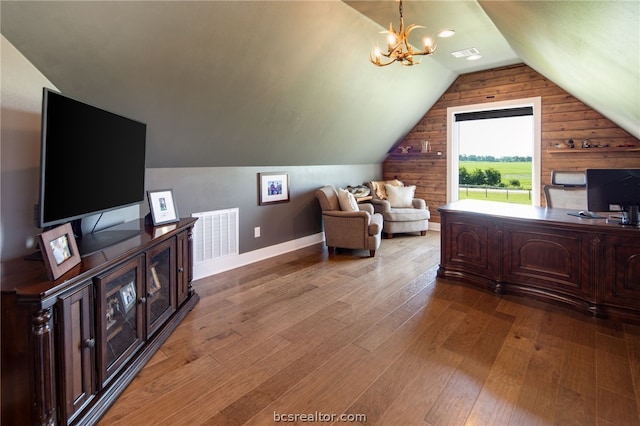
x: 59, y: 250
x: 162, y: 206
x: 274, y: 188
x: 128, y: 296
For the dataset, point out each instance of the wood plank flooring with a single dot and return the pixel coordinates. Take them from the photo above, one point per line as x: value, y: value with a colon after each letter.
x: 381, y: 341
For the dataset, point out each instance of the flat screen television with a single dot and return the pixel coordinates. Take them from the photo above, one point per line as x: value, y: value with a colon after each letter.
x: 91, y: 161
x: 615, y: 190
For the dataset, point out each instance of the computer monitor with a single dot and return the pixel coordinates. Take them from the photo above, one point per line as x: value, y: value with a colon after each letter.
x: 615, y: 190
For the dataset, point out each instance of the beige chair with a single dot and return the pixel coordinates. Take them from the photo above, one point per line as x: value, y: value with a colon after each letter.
x: 401, y: 212
x: 568, y: 190
x: 348, y: 229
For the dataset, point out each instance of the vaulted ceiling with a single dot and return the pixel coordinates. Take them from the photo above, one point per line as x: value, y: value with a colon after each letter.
x: 260, y: 83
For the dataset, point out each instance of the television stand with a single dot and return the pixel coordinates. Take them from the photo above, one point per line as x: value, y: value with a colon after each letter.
x: 71, y: 346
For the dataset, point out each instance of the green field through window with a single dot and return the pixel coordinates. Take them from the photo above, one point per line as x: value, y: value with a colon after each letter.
x: 510, y: 172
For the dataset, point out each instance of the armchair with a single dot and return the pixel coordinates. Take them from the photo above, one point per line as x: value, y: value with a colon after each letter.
x: 400, y: 211
x: 355, y: 228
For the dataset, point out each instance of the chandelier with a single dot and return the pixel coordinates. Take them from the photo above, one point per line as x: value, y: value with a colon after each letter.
x: 398, y: 47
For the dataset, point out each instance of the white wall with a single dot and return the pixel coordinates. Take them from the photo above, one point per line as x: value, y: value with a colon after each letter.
x: 21, y: 103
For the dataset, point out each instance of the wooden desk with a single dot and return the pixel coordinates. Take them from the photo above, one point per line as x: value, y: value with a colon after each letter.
x: 591, y: 265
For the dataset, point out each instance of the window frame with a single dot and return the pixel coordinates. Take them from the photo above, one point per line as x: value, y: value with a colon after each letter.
x: 453, y: 146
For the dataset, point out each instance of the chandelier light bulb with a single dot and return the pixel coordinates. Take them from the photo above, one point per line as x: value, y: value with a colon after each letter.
x: 398, y: 48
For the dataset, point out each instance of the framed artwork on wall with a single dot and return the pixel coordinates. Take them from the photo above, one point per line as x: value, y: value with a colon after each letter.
x: 274, y: 188
x: 59, y: 250
x: 163, y: 206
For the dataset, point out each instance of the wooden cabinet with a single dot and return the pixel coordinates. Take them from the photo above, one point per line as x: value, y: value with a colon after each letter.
x: 77, y: 347
x: 588, y: 264
x: 548, y: 258
x: 622, y: 271
x: 468, y: 245
x: 120, y: 315
x: 160, y: 293
x: 71, y: 346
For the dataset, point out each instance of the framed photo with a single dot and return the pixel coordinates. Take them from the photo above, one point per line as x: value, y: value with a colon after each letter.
x: 59, y: 250
x: 274, y: 188
x: 128, y: 296
x: 163, y: 206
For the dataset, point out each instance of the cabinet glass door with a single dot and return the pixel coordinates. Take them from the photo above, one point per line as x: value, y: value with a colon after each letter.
x: 120, y: 315
x: 161, y: 288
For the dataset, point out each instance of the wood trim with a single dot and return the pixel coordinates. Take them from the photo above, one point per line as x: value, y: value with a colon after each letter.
x: 579, y: 151
x: 43, y: 367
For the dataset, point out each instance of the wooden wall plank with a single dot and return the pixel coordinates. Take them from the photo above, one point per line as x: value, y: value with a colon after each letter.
x: 563, y: 117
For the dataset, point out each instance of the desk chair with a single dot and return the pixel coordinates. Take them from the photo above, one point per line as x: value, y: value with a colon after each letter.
x: 568, y: 190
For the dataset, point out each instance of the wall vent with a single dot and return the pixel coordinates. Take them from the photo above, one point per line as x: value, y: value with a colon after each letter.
x: 215, y: 235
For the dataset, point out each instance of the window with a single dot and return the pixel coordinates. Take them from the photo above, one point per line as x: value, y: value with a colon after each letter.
x: 473, y: 115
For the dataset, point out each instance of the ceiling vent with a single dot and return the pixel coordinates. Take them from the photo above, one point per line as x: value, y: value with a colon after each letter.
x: 465, y: 52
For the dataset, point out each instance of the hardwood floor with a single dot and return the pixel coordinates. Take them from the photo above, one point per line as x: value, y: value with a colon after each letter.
x: 382, y: 338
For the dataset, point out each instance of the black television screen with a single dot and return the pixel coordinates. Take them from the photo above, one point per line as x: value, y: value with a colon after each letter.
x: 92, y: 160
x: 614, y: 190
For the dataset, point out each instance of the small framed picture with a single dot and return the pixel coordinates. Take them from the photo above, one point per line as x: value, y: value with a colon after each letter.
x: 274, y: 188
x: 59, y: 250
x: 163, y: 206
x: 128, y: 296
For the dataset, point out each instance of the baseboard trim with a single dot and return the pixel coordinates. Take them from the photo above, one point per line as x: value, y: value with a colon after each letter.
x: 216, y: 266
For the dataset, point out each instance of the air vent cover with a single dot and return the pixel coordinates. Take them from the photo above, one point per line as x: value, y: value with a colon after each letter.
x: 215, y: 235
x: 465, y: 52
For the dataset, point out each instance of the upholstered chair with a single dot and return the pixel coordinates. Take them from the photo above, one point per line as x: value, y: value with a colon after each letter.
x: 401, y: 212
x: 348, y: 224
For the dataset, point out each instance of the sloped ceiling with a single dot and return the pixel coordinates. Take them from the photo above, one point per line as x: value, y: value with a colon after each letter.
x: 591, y: 49
x: 235, y: 83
